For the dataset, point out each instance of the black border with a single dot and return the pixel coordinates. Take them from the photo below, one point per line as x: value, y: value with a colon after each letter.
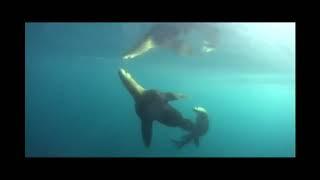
x: 19, y: 72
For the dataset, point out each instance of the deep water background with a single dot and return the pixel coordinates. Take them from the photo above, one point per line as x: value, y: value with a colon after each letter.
x: 76, y: 105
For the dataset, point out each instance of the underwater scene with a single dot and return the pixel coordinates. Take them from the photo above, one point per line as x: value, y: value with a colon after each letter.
x: 126, y: 89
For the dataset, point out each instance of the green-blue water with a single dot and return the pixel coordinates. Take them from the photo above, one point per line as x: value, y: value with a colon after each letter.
x: 76, y: 105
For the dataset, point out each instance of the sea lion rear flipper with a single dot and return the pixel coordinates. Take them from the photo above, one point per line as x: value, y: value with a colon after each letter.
x: 146, y: 128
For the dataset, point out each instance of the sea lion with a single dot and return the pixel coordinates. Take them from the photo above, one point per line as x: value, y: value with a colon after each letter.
x: 152, y: 105
x: 172, y: 36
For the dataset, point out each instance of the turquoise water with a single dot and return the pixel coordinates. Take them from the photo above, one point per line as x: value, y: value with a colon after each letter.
x: 76, y: 105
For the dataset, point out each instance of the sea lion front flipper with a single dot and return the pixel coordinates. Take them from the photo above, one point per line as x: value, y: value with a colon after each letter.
x: 146, y: 128
x: 169, y: 96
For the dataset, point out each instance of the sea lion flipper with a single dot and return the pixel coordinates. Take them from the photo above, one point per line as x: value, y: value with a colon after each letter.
x: 169, y: 96
x: 146, y: 128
